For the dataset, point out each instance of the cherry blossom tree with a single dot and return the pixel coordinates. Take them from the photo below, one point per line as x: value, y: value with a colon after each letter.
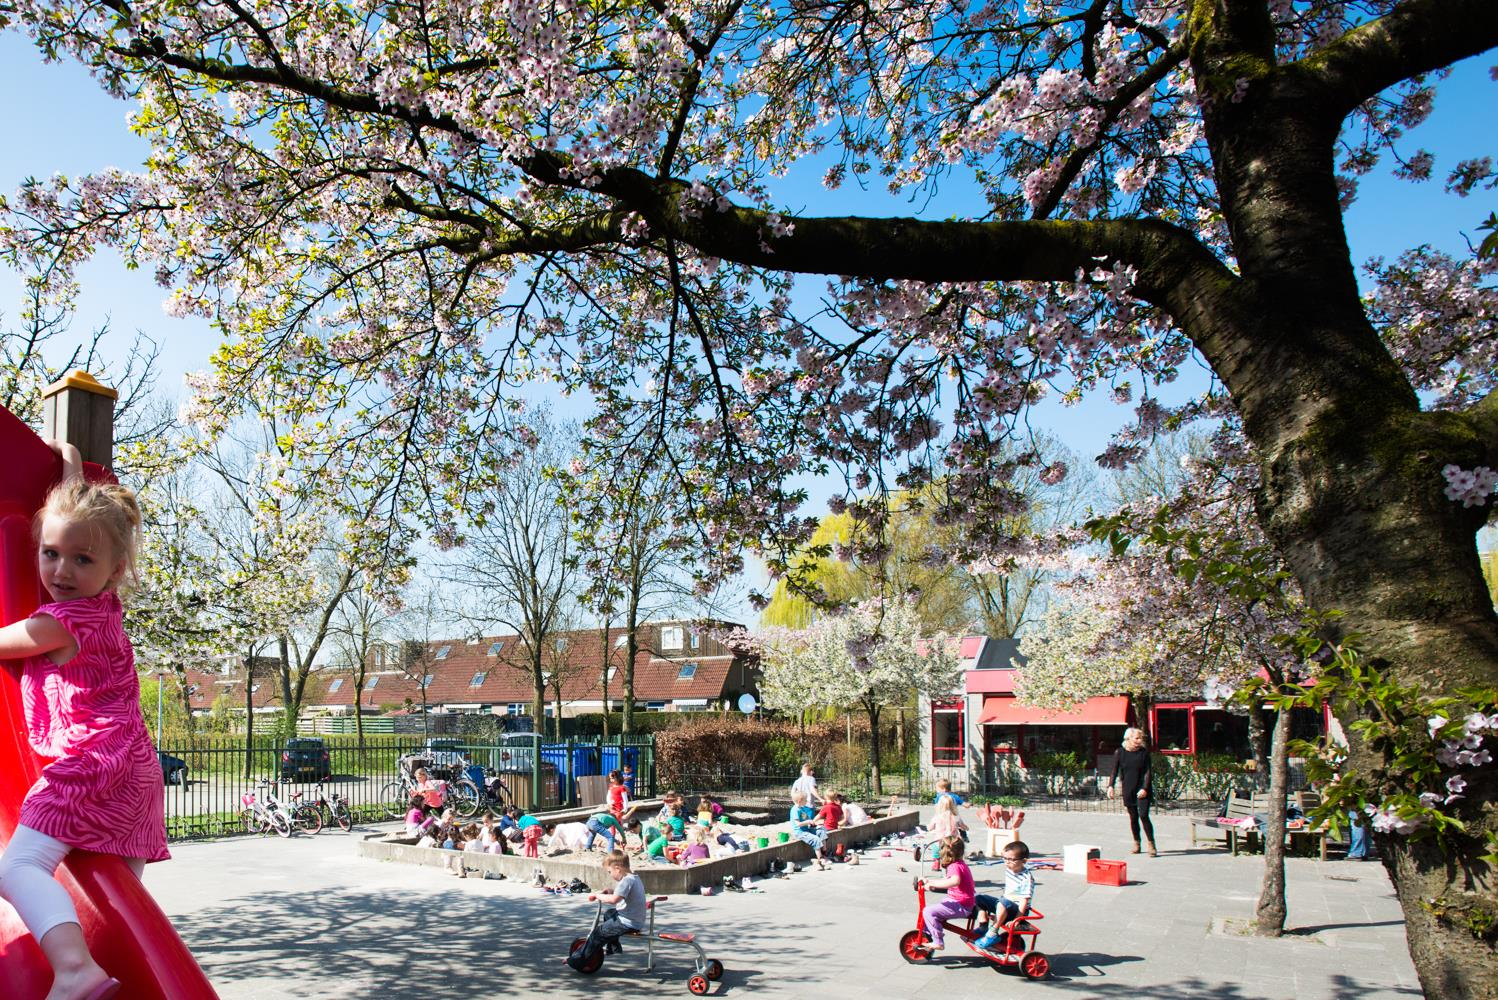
x: 870, y: 656
x: 359, y: 193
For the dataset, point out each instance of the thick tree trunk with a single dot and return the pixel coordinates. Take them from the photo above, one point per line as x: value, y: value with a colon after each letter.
x: 1269, y: 915
x: 1351, y: 491
x: 1258, y: 734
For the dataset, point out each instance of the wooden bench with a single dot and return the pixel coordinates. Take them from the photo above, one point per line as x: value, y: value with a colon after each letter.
x: 1240, y: 807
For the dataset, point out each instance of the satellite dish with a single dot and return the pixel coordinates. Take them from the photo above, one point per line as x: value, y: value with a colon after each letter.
x: 747, y: 704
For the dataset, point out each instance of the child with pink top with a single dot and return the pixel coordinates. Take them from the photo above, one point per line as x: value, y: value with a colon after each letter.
x: 102, y: 790
x: 961, y: 892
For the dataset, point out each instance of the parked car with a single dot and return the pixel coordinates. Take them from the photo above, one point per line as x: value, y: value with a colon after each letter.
x: 305, y: 758
x: 516, y: 752
x: 173, y: 769
x: 446, y: 756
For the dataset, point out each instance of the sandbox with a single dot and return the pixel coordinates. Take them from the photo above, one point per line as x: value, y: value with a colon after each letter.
x: 659, y: 879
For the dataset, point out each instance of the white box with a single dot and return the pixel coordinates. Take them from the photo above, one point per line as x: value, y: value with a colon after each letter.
x: 998, y: 840
x: 1074, y: 857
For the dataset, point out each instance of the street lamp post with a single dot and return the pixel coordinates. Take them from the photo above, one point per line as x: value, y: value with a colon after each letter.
x: 160, y: 680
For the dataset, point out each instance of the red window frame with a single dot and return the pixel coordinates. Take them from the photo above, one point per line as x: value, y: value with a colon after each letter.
x: 1190, y: 708
x: 949, y: 756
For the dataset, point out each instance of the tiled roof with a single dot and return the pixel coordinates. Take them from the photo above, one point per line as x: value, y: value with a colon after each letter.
x: 506, y: 676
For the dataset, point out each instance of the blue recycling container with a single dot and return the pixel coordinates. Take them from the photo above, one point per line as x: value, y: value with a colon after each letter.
x: 614, y: 761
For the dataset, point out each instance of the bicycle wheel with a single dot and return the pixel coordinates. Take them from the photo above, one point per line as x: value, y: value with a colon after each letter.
x: 280, y: 824
x: 343, y: 817
x: 465, y: 797
x: 249, y: 822
x: 308, y: 819
x: 396, y: 799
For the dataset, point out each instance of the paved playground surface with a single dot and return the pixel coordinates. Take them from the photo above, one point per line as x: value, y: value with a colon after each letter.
x: 273, y: 919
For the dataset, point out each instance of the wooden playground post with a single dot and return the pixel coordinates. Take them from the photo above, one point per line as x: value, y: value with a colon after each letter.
x: 79, y: 410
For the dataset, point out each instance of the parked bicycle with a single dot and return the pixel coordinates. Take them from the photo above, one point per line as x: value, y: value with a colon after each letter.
x: 263, y: 813
x: 314, y: 815
x: 335, y: 811
x: 463, y: 794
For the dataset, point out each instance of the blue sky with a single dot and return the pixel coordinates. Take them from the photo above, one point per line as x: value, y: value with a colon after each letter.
x: 57, y: 120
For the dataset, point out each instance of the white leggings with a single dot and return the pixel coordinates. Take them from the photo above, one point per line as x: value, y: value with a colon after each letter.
x: 26, y: 880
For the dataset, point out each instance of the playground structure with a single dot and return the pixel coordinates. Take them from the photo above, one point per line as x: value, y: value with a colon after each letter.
x: 126, y: 931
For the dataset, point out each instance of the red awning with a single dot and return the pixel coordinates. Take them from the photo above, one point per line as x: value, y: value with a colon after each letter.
x: 1111, y: 710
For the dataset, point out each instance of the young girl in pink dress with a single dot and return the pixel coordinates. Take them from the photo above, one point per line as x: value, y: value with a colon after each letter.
x: 102, y: 789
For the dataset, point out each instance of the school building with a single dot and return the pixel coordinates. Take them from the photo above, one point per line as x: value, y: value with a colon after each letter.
x: 983, y: 729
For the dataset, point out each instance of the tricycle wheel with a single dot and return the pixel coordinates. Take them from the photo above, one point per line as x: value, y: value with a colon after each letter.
x: 912, y: 947
x: 714, y: 970
x: 593, y: 964
x: 699, y: 985
x: 1035, y: 965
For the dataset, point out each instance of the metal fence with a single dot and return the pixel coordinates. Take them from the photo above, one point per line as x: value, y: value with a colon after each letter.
x: 1176, y: 783
x: 221, y: 769
x: 753, y: 782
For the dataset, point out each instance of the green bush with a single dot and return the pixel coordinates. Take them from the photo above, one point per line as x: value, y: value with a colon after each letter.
x: 783, y: 754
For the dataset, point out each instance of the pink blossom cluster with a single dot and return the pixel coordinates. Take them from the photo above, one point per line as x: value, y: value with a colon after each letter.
x: 1472, y: 488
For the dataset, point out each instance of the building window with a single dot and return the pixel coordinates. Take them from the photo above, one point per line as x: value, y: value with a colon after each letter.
x: 1173, y: 729
x: 620, y: 642
x: 654, y: 706
x: 442, y: 653
x: 688, y: 671
x: 426, y: 680
x: 696, y: 640
x: 948, y: 742
x: 478, y: 679
x: 671, y: 637
x: 1221, y: 732
x: 515, y: 708
x: 612, y: 672
x: 337, y: 683
x: 369, y: 684
x: 496, y: 648
x: 254, y: 689
x: 695, y: 705
x: 560, y: 644
x: 549, y: 709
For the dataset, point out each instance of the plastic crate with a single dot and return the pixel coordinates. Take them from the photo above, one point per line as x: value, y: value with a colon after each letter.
x: 1101, y: 872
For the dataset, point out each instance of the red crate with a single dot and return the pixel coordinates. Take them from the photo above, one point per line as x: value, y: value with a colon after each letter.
x: 1100, y: 872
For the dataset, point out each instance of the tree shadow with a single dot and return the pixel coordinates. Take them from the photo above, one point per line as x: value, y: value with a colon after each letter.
x: 1318, y: 928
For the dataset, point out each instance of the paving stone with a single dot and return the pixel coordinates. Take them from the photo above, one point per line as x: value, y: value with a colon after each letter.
x: 272, y: 919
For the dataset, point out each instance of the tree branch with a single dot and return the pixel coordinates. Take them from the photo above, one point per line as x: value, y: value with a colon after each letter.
x: 1413, y: 38
x: 1166, y: 256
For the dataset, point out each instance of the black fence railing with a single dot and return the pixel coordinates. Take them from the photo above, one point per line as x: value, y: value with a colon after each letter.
x: 776, y: 783
x: 207, y: 776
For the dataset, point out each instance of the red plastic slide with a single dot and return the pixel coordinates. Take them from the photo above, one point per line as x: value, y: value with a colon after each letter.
x: 126, y: 931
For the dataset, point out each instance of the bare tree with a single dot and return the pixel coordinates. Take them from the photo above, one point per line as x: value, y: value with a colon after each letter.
x: 358, y: 626
x: 639, y: 555
x: 518, y: 565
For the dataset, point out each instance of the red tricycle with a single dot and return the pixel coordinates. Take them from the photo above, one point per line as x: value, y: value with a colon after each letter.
x: 1015, y: 948
x: 706, y: 971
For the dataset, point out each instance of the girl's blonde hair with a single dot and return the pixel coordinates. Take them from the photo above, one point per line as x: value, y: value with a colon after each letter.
x: 109, y: 508
x: 946, y: 804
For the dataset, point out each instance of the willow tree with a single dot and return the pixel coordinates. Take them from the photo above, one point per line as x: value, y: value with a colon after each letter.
x: 435, y: 199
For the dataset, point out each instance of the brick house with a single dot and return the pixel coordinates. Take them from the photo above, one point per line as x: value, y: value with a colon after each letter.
x: 680, y: 667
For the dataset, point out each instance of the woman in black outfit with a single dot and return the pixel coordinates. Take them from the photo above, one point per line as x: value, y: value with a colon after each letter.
x: 1131, y: 762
